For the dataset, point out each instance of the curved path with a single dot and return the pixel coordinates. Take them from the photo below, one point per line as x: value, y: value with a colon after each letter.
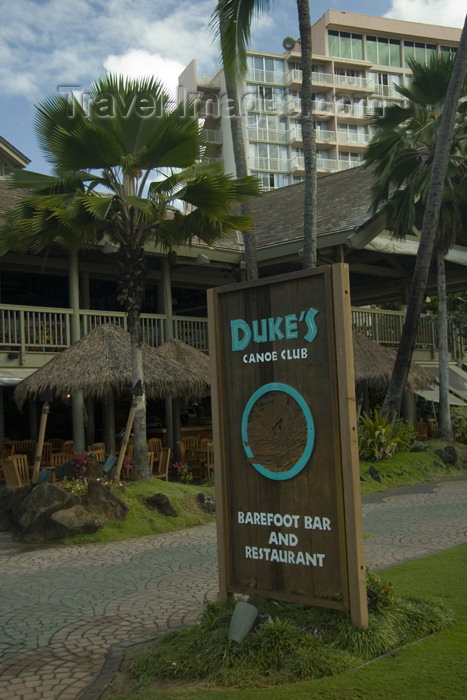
x: 62, y: 608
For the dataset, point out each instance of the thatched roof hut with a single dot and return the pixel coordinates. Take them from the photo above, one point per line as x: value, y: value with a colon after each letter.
x: 100, y: 363
x: 373, y: 364
x: 193, y: 361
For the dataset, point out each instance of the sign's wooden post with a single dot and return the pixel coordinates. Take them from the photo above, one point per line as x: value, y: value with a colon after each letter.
x: 284, y: 428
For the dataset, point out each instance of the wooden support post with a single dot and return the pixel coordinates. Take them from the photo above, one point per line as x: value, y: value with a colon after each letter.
x: 46, y: 398
x: 137, y: 392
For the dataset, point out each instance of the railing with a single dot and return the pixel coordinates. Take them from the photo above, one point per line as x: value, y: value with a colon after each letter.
x: 39, y: 329
x: 298, y: 163
x: 279, y: 135
x: 208, y: 80
x: 193, y: 331
x: 212, y: 135
x: 350, y: 81
x: 345, y: 137
x: 265, y: 76
x: 270, y: 164
x: 295, y: 134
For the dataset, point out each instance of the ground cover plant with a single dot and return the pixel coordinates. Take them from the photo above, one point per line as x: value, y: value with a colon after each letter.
x: 142, y: 521
x: 410, y: 468
x: 432, y: 667
x: 402, y: 469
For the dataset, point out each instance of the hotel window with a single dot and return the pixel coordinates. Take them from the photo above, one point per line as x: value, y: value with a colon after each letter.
x: 267, y: 70
x: 382, y: 51
x: 349, y: 159
x: 352, y: 133
x: 384, y: 83
x: 418, y: 51
x: 271, y: 181
x: 449, y: 49
x: 268, y: 156
x: 345, y: 45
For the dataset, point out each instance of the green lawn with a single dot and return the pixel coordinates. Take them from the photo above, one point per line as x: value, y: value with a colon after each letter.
x: 433, y: 667
x: 403, y: 469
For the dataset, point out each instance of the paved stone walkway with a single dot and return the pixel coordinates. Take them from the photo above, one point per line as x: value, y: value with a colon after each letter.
x: 62, y: 608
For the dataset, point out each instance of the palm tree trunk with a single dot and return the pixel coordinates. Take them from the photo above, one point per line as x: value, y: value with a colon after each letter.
x: 132, y: 278
x: 309, y: 142
x: 241, y: 171
x: 393, y: 399
x: 444, y: 427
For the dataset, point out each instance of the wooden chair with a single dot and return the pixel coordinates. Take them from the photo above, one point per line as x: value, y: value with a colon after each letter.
x: 155, y: 446
x: 59, y: 458
x: 164, y: 463
x: 210, y: 461
x: 7, y: 450
x: 69, y: 447
x: 99, y: 455
x: 191, y: 442
x: 11, y: 474
x: 57, y: 444
x: 151, y: 461
x: 46, y: 453
x: 28, y: 447
x: 96, y: 446
x: 20, y: 466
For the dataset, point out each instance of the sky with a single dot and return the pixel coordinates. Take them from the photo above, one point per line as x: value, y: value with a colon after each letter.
x: 45, y: 44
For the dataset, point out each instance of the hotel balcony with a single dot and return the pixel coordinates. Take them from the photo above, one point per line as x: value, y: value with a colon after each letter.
x: 273, y: 165
x: 322, y: 164
x: 265, y: 76
x: 269, y: 135
x: 352, y: 139
x: 213, y: 135
x: 321, y: 136
x: 350, y: 83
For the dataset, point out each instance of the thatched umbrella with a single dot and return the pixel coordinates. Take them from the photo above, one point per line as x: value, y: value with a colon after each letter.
x: 373, y: 364
x: 101, y: 362
x: 99, y: 365
x: 195, y: 362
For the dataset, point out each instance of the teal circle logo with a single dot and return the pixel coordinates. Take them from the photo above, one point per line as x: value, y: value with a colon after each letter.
x: 310, y: 431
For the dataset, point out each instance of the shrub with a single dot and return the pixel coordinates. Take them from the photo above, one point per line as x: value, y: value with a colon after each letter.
x: 405, y: 433
x: 375, y: 441
x: 459, y: 423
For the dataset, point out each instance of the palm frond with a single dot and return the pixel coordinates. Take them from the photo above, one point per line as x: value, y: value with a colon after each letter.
x: 230, y: 24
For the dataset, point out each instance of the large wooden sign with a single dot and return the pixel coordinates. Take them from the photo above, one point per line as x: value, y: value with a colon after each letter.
x: 286, y: 456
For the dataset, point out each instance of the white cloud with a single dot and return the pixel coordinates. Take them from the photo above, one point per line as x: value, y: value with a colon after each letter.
x: 446, y: 13
x: 44, y: 43
x: 141, y: 64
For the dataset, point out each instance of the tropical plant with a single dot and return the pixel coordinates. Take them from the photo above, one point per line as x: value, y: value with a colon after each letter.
x: 231, y: 21
x: 459, y: 422
x: 375, y: 439
x: 126, y: 168
x: 405, y: 434
x: 418, y: 155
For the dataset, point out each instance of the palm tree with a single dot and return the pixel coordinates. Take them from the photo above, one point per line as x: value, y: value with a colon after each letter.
x: 123, y: 164
x: 418, y: 154
x: 232, y: 21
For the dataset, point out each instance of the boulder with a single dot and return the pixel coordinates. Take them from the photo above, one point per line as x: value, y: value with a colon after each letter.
x: 448, y: 454
x: 72, y: 521
x: 12, y: 506
x: 206, y: 503
x: 44, y: 500
x: 110, y: 506
x: 161, y: 503
x: 68, y: 470
x: 374, y: 473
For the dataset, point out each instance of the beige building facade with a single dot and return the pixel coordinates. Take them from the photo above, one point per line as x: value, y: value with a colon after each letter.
x: 358, y: 62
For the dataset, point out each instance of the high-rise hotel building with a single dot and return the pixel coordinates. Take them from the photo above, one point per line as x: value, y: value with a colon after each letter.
x: 358, y: 60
